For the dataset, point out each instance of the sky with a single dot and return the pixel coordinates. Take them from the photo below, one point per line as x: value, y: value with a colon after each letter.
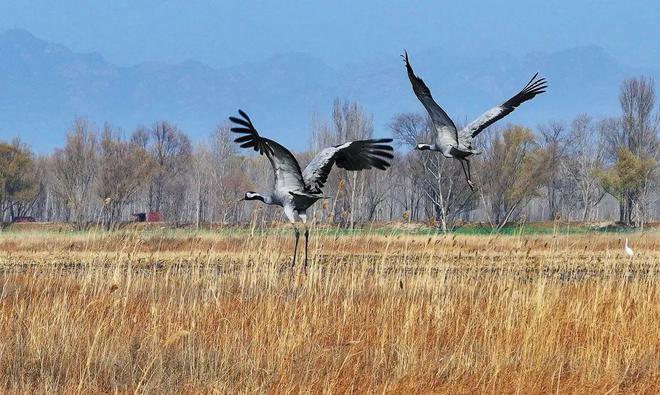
x: 224, y: 33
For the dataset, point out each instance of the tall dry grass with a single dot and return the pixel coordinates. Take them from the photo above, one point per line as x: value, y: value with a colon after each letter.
x: 157, y: 313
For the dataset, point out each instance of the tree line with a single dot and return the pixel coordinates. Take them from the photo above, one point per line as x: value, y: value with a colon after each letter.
x: 585, y: 169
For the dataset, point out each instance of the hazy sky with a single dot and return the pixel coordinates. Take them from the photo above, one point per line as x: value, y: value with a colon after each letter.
x: 221, y: 33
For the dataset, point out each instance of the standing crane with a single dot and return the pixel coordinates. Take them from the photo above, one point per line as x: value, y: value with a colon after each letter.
x: 296, y: 190
x: 629, y: 251
x: 457, y: 144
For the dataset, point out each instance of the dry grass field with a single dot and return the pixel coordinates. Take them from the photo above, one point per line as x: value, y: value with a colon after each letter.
x: 185, y: 312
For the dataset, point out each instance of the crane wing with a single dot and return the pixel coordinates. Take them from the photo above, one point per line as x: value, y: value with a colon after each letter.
x: 534, y: 87
x: 443, y: 124
x: 353, y: 155
x: 288, y: 176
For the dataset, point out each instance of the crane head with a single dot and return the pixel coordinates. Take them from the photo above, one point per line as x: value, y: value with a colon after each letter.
x: 249, y: 195
x: 423, y: 147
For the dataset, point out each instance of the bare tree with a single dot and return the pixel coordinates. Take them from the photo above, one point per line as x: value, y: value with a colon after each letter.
x: 553, y: 143
x: 202, y: 181
x: 439, y: 180
x: 74, y: 170
x: 44, y: 203
x: 171, y: 152
x: 637, y: 99
x: 583, y: 163
x: 229, y: 177
x: 124, y: 167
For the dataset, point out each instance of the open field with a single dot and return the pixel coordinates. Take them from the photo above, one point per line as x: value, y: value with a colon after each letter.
x: 180, y: 311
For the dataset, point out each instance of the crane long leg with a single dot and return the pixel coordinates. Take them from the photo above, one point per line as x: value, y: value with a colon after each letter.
x: 467, y: 173
x: 463, y: 167
x: 306, y: 242
x: 295, y: 248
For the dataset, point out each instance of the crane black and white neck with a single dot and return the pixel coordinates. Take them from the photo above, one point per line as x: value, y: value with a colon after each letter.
x: 457, y: 144
x: 296, y: 190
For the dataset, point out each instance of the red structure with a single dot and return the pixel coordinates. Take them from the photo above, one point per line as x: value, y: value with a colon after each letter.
x: 154, y: 216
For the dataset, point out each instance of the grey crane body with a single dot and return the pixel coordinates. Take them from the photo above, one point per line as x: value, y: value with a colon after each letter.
x: 296, y: 190
x: 455, y: 143
x: 295, y: 207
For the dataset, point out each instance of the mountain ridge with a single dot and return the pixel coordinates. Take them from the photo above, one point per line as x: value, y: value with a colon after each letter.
x: 44, y: 86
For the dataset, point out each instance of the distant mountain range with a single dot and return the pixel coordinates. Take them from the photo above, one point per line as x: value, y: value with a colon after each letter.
x: 44, y: 86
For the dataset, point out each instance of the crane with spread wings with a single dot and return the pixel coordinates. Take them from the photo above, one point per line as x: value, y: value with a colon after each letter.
x: 296, y: 190
x: 458, y: 144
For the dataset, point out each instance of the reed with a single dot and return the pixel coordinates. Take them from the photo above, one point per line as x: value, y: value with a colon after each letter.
x: 173, y: 312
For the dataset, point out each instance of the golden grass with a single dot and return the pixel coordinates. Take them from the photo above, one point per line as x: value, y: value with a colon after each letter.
x: 147, y: 312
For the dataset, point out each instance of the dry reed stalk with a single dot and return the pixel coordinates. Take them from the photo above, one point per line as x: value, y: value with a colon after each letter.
x: 142, y: 312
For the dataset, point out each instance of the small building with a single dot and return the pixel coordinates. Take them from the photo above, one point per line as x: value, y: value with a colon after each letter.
x: 155, y: 216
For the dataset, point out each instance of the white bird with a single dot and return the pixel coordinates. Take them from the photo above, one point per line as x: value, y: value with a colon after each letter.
x: 296, y: 190
x: 456, y: 144
x: 629, y: 251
